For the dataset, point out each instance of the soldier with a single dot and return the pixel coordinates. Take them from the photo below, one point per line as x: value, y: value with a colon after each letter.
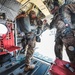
x: 65, y: 31
x: 28, y: 25
x: 68, y: 11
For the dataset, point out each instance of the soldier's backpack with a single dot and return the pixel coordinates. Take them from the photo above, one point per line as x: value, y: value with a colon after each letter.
x: 61, y: 67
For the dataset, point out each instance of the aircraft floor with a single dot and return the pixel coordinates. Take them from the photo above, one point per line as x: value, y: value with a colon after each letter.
x: 16, y: 67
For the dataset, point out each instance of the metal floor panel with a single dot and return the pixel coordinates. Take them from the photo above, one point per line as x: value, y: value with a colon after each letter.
x: 18, y: 69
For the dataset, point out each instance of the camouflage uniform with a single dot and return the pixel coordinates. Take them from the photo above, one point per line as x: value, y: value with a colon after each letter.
x: 67, y: 12
x: 65, y: 34
x: 31, y: 41
x: 29, y: 27
x: 68, y: 16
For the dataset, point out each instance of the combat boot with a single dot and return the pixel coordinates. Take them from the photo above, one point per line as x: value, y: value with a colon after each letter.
x: 29, y: 67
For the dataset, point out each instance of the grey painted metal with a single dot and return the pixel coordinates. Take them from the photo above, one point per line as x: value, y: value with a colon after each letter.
x: 10, y: 7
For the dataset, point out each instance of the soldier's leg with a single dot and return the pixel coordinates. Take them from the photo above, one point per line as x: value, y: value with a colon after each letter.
x: 66, y: 13
x: 30, y: 51
x: 58, y: 48
x: 71, y: 54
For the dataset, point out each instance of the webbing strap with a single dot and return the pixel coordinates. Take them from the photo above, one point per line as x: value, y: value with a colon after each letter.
x: 62, y: 13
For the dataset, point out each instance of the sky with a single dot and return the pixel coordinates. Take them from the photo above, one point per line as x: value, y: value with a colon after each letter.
x: 46, y: 46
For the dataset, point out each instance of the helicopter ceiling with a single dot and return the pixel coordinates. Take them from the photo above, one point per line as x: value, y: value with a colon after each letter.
x: 13, y: 7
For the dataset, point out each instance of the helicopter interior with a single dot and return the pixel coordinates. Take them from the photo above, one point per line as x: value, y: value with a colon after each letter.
x: 10, y: 48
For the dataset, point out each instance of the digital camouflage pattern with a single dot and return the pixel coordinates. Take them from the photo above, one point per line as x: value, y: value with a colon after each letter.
x: 65, y: 34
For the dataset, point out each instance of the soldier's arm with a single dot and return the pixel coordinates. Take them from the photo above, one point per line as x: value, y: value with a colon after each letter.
x: 58, y: 48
